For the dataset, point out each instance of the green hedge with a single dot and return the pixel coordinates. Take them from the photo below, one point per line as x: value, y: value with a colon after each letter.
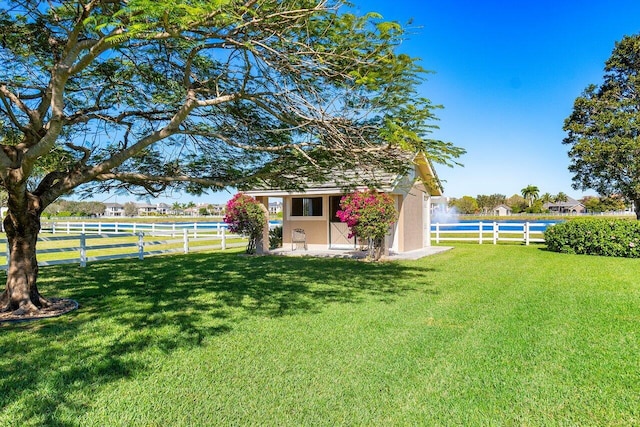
x: 595, y: 236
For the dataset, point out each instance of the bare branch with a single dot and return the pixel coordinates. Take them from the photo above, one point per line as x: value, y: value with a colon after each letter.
x: 142, y: 179
x: 235, y: 144
x: 86, y: 153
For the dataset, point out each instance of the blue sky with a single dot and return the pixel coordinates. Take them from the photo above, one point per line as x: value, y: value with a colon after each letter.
x: 507, y: 74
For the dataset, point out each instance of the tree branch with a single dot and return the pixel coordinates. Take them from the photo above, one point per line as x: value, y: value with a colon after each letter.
x: 86, y: 153
x: 15, y: 100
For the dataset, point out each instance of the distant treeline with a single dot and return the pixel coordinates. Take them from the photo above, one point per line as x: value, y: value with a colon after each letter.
x: 533, y: 203
x: 66, y: 208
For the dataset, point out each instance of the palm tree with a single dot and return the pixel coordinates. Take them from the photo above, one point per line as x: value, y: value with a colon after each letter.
x: 561, y: 197
x: 177, y: 208
x: 530, y: 192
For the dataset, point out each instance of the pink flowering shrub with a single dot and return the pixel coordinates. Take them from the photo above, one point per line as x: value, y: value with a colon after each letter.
x: 246, y: 216
x: 369, y: 214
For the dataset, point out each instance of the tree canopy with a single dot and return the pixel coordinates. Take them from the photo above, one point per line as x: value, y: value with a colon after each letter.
x: 145, y: 95
x: 148, y: 96
x: 464, y: 205
x: 530, y: 193
x: 487, y: 203
x: 603, y: 131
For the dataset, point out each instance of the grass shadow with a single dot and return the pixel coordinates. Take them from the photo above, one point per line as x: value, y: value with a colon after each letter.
x: 133, y: 313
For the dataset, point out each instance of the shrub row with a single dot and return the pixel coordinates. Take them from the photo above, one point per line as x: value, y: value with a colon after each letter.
x: 595, y: 236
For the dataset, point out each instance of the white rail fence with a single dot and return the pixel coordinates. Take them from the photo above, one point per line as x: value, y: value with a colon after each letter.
x: 490, y: 232
x: 76, y: 248
x: 167, y: 229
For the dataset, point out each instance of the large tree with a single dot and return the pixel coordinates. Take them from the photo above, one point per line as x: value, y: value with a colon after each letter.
x: 604, y: 128
x: 149, y: 95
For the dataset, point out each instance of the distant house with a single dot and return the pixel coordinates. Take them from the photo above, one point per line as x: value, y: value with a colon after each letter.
x: 571, y: 206
x: 502, y: 210
x: 193, y: 211
x: 217, y: 209
x: 150, y: 209
x: 145, y: 209
x: 314, y: 210
x: 163, y: 209
x: 113, y: 210
x: 275, y: 208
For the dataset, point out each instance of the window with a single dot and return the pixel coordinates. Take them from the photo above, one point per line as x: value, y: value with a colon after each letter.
x: 334, y: 206
x: 306, y: 206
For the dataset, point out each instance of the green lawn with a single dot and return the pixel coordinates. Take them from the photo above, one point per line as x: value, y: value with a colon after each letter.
x: 480, y: 335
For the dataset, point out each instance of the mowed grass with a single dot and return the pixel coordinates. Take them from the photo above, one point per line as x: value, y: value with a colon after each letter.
x: 480, y: 335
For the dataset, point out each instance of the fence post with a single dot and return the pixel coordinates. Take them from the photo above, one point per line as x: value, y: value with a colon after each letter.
x: 185, y: 237
x: 223, y: 243
x: 53, y: 228
x: 496, y: 232
x: 480, y: 234
x: 173, y: 230
x: 195, y: 230
x: 83, y: 227
x: 83, y: 250
x: 141, y: 245
x: 99, y: 227
x: 437, y: 232
x: 68, y: 228
x: 8, y: 256
x: 115, y: 228
x: 526, y: 233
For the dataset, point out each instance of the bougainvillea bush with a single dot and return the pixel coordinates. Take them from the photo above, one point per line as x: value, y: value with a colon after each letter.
x: 246, y: 216
x: 368, y: 214
x: 595, y: 236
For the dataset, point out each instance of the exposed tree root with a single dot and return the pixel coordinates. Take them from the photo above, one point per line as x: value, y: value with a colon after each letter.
x: 54, y: 307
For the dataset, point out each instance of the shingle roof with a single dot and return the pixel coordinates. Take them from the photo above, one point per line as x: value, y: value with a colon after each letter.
x: 358, y: 179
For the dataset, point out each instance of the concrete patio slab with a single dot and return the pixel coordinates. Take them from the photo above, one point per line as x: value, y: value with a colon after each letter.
x: 358, y: 254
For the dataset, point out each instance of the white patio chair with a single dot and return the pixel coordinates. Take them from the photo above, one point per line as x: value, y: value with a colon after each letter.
x: 298, y: 236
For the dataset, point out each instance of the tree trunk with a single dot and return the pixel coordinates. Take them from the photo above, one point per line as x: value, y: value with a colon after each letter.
x: 376, y: 248
x: 636, y: 205
x: 21, y: 293
x: 251, y: 245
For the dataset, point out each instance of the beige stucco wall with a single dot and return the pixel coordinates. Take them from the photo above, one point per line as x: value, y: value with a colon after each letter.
x: 315, y: 231
x: 316, y: 228
x: 411, y: 220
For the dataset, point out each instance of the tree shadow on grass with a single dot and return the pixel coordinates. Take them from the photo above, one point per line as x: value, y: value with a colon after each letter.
x: 134, y: 312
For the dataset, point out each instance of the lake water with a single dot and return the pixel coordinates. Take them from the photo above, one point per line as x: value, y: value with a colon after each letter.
x: 505, y: 225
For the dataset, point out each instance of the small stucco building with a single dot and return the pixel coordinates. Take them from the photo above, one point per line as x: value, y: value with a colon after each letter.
x: 314, y: 210
x: 502, y: 210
